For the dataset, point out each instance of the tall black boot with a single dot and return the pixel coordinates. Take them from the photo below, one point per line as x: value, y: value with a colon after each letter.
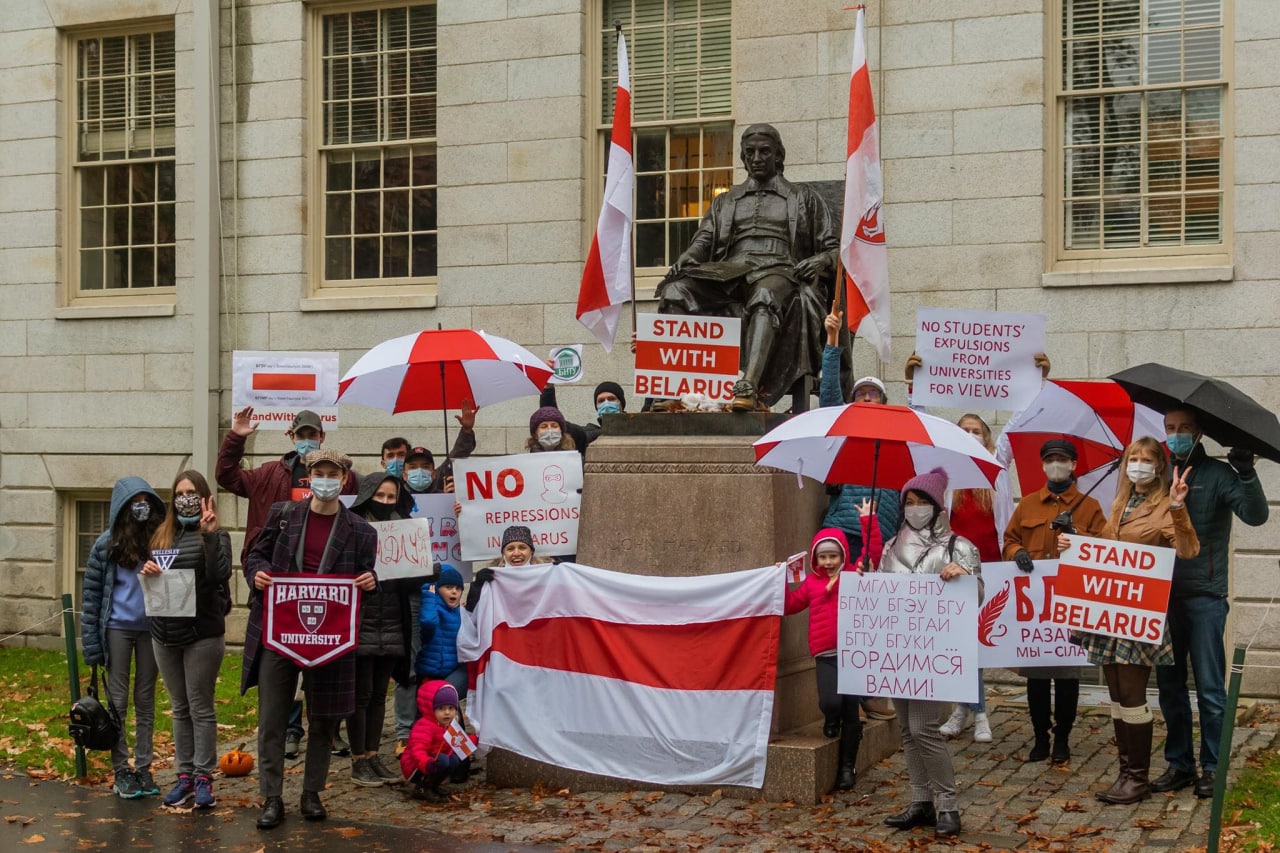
x: 1041, y: 717
x: 1066, y: 698
x: 847, y: 771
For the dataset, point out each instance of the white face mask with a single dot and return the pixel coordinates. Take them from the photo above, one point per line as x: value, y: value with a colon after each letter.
x: 549, y: 438
x: 1058, y: 472
x: 1141, y: 472
x: 918, y: 517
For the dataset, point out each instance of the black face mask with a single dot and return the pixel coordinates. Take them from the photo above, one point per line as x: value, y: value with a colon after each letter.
x: 381, y: 511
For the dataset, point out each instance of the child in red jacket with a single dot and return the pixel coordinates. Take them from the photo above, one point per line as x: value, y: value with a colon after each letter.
x: 428, y: 759
x: 819, y: 592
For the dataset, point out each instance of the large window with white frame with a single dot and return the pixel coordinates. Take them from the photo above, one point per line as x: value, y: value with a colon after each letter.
x: 1141, y: 119
x: 121, y: 234
x: 680, y: 53
x: 376, y: 112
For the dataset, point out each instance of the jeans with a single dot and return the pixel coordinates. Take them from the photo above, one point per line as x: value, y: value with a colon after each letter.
x: 295, y: 720
x: 979, y: 707
x: 122, y: 649
x: 190, y: 674
x: 1196, y: 628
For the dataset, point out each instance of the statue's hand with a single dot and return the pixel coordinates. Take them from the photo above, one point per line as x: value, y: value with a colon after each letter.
x: 682, y: 263
x: 811, y: 268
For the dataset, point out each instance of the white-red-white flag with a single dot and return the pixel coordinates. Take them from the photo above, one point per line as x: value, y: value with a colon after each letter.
x: 606, y: 281
x: 458, y: 739
x: 862, y: 246
x: 592, y: 670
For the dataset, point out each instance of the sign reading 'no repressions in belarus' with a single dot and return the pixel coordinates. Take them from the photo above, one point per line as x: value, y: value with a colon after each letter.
x: 541, y: 491
x: 1117, y: 589
x: 977, y: 359
x: 678, y: 355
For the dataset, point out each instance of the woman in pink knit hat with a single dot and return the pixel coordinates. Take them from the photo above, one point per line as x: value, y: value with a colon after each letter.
x: 925, y: 544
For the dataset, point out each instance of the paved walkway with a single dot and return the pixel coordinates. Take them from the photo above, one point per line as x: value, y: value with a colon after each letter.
x: 1005, y: 805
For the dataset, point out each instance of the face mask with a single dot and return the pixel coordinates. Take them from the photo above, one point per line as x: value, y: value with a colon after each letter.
x: 1058, y: 472
x: 1180, y: 443
x: 395, y: 467
x: 1141, y: 472
x: 918, y: 517
x: 141, y: 510
x: 305, y: 445
x: 550, y: 438
x: 325, y: 488
x: 187, y: 508
x: 380, y: 511
x: 419, y: 479
x: 608, y: 407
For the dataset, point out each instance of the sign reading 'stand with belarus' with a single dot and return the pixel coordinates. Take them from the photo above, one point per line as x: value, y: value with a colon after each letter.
x: 311, y: 619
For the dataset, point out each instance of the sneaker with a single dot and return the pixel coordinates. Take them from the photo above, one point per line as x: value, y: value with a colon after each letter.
x: 340, y: 747
x: 183, y: 791
x: 204, y: 793
x: 146, y: 783
x: 981, y: 729
x: 292, y: 741
x: 381, y: 771
x: 878, y: 709
x: 126, y: 785
x: 362, y: 773
x: 956, y: 723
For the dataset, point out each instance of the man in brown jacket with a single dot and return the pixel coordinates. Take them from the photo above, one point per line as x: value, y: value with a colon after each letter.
x: 1031, y: 536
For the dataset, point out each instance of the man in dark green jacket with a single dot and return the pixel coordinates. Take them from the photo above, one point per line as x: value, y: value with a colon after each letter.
x: 1198, y: 601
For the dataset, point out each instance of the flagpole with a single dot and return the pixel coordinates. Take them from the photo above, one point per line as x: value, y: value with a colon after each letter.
x: 617, y: 31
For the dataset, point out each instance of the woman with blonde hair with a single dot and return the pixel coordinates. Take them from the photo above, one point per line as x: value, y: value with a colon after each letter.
x: 1149, y: 509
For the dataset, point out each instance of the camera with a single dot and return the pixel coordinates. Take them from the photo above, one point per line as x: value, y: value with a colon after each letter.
x: 1062, y: 523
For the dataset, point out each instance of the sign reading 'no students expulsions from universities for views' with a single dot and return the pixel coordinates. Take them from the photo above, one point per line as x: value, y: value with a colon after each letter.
x: 977, y: 359
x: 678, y: 355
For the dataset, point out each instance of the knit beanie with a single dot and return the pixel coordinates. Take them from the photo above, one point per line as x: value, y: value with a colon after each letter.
x: 612, y: 387
x: 446, y: 696
x: 517, y: 533
x: 932, y: 484
x: 449, y: 576
x: 828, y: 546
x: 546, y: 413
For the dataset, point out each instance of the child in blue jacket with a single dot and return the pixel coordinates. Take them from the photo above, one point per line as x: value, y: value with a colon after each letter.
x: 439, y: 619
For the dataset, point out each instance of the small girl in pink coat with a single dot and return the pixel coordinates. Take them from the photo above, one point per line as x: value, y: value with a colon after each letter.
x: 819, y: 592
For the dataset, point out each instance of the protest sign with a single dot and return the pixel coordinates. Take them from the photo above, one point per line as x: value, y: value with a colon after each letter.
x: 566, y: 364
x: 445, y: 545
x: 280, y: 384
x: 1014, y: 628
x: 169, y: 593
x: 404, y: 548
x: 678, y: 355
x: 977, y: 359
x: 1117, y: 589
x: 311, y: 619
x: 908, y: 636
x: 541, y: 491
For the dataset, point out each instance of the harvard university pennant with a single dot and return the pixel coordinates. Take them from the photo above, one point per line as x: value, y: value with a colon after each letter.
x: 312, y: 619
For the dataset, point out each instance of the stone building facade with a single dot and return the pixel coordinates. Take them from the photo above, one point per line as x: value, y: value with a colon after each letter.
x: 180, y: 179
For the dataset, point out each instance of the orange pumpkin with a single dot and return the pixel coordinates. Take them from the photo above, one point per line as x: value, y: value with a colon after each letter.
x: 236, y: 762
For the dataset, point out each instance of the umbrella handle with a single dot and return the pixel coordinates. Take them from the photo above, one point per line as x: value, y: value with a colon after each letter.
x: 874, y: 518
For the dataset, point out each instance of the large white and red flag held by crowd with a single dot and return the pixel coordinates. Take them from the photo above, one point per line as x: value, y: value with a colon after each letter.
x: 606, y: 280
x: 653, y: 679
x: 862, y: 246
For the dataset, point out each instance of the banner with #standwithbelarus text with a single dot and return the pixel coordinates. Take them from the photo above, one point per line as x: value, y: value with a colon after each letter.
x: 311, y: 619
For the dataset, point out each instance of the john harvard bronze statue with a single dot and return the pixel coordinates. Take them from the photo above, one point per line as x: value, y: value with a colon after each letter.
x: 766, y: 253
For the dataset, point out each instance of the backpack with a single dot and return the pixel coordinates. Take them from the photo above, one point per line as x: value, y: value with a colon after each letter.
x: 92, y: 724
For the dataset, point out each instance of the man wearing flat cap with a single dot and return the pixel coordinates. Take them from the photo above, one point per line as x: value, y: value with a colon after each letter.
x: 317, y: 535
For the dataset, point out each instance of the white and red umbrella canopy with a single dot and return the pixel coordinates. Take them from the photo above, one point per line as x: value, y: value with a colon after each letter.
x: 439, y: 369
x: 1097, y: 417
x: 846, y: 444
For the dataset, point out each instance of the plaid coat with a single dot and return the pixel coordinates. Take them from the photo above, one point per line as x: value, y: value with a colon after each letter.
x: 353, y: 549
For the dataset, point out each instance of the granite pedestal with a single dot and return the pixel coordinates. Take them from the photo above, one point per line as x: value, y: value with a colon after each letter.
x: 681, y: 495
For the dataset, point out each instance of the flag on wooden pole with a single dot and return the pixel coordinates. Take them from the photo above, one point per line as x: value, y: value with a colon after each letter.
x: 606, y: 281
x: 862, y: 245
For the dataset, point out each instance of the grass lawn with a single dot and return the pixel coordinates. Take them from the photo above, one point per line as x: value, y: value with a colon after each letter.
x: 1251, y: 814
x: 35, y: 699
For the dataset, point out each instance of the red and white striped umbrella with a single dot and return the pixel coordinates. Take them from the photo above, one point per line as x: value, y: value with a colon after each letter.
x: 872, y: 445
x: 439, y: 369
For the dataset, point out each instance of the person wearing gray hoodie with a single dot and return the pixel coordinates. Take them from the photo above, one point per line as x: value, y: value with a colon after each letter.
x: 114, y: 628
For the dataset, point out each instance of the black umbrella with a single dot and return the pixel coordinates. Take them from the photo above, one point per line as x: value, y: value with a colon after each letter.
x: 1225, y: 413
